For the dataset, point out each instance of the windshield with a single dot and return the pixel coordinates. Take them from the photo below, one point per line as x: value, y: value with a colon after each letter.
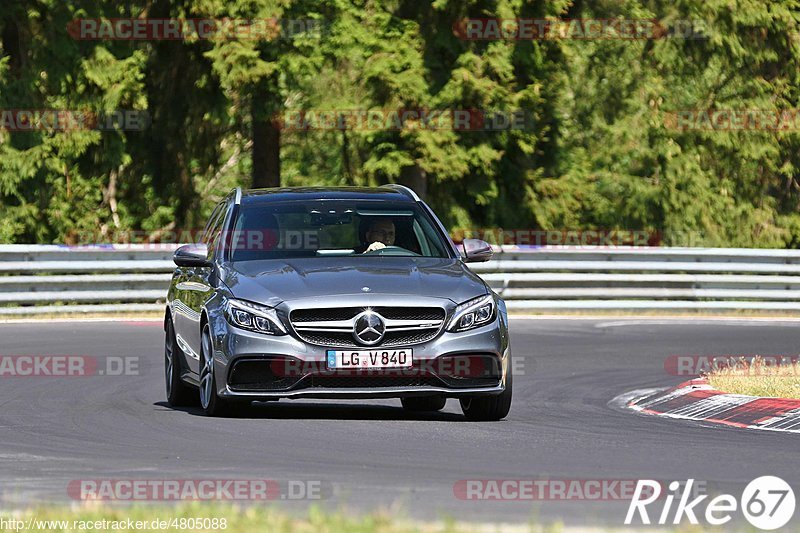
x: 334, y: 229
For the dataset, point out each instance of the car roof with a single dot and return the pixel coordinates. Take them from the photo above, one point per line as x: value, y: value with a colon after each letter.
x: 288, y: 194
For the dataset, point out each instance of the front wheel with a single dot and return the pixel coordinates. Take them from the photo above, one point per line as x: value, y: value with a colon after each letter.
x: 179, y: 394
x: 210, y: 401
x: 489, y: 408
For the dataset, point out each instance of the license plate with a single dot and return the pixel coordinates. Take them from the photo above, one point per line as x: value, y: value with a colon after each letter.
x: 369, y: 359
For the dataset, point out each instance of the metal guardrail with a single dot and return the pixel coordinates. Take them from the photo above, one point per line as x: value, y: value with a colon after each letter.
x: 645, y: 278
x: 38, y: 279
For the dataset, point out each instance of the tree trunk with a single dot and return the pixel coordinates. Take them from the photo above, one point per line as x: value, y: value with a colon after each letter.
x: 415, y: 178
x: 13, y: 46
x: 266, y: 147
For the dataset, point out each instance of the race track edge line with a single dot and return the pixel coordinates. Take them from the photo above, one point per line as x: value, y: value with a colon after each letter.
x: 697, y: 400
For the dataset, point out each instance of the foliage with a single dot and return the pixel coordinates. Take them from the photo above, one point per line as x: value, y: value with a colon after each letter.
x: 600, y: 148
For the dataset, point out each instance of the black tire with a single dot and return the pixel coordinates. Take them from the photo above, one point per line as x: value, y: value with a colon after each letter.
x: 489, y: 408
x: 423, y: 403
x: 179, y: 394
x: 210, y: 401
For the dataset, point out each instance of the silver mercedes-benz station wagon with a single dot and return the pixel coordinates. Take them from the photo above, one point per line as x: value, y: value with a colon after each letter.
x: 334, y: 293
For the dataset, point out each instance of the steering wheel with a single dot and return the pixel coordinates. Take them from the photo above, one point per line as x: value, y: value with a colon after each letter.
x: 391, y: 250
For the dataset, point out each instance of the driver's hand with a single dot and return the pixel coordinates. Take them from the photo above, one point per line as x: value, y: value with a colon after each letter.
x: 377, y: 245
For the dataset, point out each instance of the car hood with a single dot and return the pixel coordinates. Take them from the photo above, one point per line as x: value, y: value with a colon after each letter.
x: 273, y: 281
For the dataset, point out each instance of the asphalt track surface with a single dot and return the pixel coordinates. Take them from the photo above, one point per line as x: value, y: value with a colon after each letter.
x: 372, y: 455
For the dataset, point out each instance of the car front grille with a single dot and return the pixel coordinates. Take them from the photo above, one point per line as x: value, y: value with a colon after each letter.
x: 313, y: 315
x: 333, y: 327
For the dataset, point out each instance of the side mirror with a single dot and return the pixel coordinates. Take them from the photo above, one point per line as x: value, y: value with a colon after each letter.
x: 191, y: 255
x: 477, y: 251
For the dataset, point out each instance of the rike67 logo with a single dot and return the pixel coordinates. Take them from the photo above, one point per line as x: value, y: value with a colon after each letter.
x: 767, y: 503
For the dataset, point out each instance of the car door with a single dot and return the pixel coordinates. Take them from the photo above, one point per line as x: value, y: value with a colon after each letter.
x: 198, y: 288
x: 185, y: 318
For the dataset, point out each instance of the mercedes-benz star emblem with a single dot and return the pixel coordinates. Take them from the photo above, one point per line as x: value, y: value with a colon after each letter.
x: 369, y: 328
x: 365, y: 289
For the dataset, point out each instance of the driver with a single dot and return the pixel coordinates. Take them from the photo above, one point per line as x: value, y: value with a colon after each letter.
x: 380, y: 234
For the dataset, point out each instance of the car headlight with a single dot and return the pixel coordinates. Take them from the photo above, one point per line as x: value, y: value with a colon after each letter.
x: 473, y: 313
x: 254, y: 317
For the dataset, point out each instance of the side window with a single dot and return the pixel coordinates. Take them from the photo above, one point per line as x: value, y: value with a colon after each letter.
x: 215, y: 230
x: 212, y: 221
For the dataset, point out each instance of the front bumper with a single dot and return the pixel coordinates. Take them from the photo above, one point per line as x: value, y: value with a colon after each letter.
x: 234, y: 345
x: 366, y: 393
